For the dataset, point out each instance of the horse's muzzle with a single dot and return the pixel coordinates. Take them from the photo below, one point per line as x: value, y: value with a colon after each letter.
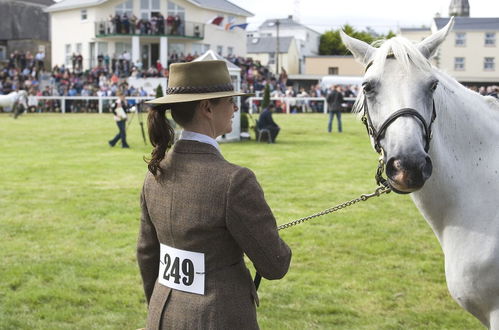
x: 408, y: 174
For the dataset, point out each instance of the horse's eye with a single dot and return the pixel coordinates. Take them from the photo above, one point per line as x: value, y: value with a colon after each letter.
x: 434, y: 85
x: 368, y: 87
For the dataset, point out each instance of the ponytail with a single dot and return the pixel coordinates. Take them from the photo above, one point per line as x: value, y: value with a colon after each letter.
x: 162, y: 137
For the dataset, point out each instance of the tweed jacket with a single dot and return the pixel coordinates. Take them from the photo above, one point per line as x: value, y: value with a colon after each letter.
x: 205, y: 204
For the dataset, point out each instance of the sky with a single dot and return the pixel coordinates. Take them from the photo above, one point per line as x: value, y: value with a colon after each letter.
x: 380, y: 15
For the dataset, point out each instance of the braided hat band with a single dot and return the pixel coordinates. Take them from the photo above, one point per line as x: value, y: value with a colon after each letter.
x: 200, y: 89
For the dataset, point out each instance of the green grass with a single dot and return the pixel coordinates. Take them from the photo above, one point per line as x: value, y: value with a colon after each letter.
x: 70, y: 214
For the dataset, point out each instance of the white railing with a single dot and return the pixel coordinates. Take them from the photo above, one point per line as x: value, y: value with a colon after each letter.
x: 294, y: 102
x: 96, y: 102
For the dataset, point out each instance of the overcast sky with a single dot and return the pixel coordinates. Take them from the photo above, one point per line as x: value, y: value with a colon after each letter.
x: 381, y: 15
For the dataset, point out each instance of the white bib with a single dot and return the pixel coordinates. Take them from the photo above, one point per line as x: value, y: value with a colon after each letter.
x: 181, y: 270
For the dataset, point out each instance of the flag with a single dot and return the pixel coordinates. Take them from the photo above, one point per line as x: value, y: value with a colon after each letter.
x: 242, y: 26
x: 228, y: 26
x: 217, y: 20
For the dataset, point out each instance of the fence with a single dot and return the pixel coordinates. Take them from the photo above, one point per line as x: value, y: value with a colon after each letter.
x: 65, y: 104
x: 297, y: 104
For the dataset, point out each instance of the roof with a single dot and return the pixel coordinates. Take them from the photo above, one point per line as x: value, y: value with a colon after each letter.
x: 221, y: 5
x: 41, y: 3
x: 210, y: 55
x: 23, y: 20
x: 284, y: 23
x: 268, y: 44
x: 469, y: 23
x: 419, y: 29
x: 216, y: 5
x: 73, y: 4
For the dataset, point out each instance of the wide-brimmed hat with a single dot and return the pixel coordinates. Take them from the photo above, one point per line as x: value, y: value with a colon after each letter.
x: 196, y: 81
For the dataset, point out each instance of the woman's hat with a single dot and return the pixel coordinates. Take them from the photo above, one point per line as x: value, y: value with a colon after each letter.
x: 196, y: 81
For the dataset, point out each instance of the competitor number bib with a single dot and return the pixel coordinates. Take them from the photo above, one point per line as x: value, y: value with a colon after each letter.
x: 181, y: 270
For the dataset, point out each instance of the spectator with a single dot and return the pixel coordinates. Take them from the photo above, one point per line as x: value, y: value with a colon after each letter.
x: 119, y: 110
x: 265, y: 121
x: 334, y: 102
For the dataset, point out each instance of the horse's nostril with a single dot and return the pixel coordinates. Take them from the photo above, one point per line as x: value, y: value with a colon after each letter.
x: 392, y: 166
x: 426, y: 168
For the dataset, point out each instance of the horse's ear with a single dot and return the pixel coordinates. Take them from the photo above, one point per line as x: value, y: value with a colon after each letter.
x: 361, y: 51
x: 428, y: 47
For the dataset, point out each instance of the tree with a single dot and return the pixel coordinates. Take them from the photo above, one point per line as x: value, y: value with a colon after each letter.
x: 331, y: 44
x: 266, y: 97
x: 159, y: 91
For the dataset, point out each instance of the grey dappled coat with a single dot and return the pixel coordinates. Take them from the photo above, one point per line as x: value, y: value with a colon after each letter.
x: 205, y: 204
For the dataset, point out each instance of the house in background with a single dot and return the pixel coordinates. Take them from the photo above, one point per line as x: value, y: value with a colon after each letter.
x: 263, y: 49
x: 307, y: 40
x: 470, y: 53
x: 84, y: 27
x: 24, y: 26
x: 339, y: 65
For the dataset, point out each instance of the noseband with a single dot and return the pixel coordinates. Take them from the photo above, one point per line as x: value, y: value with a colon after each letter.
x: 377, y: 135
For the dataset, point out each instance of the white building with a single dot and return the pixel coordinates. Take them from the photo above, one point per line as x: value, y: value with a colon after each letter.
x: 84, y: 27
x: 470, y: 53
x: 307, y: 40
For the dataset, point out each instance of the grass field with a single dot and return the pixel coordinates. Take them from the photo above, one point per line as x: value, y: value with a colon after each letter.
x: 70, y: 215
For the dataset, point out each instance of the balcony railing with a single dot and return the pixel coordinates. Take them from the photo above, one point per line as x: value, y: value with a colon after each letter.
x: 145, y: 28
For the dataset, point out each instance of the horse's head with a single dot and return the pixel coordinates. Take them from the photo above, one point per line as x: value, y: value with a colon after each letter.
x: 397, y: 101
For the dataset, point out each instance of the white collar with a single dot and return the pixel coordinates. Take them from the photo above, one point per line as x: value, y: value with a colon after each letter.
x: 193, y: 136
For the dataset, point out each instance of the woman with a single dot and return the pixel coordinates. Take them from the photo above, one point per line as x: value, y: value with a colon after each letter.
x: 200, y: 213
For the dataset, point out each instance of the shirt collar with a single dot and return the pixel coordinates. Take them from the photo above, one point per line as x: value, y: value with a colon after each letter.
x: 193, y: 136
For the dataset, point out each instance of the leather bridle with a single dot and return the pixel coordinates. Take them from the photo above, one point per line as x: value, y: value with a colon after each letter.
x: 377, y: 135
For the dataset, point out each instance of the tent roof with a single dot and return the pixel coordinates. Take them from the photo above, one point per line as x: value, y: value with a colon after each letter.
x: 210, y: 55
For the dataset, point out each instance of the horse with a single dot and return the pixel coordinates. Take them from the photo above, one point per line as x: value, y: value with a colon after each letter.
x: 439, y: 142
x: 13, y: 101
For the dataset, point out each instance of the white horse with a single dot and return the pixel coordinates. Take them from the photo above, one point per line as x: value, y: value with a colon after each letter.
x: 7, y: 102
x: 454, y: 179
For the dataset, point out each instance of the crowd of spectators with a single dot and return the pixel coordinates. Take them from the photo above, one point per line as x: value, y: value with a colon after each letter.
x: 109, y: 77
x: 157, y: 25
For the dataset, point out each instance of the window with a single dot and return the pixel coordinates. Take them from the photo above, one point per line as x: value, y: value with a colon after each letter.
x: 83, y: 14
x: 149, y: 8
x: 102, y: 48
x: 176, y: 48
x: 489, y: 64
x: 3, y: 52
x: 124, y: 8
x: 78, y: 48
x: 333, y: 70
x: 220, y: 49
x: 459, y: 63
x: 173, y: 11
x: 67, y: 51
x: 272, y: 58
x: 121, y: 47
x: 490, y: 39
x: 230, y: 50
x: 460, y: 39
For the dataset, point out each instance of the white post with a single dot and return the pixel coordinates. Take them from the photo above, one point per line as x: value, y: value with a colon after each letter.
x: 163, y: 51
x: 100, y: 104
x: 135, y: 49
x: 63, y: 104
x: 288, y: 110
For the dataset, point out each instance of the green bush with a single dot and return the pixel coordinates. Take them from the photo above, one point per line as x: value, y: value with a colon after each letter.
x: 244, y: 122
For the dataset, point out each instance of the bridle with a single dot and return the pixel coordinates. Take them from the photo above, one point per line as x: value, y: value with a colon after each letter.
x: 378, y: 134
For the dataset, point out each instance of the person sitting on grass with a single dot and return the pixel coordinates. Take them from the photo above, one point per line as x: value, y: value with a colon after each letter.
x: 265, y: 121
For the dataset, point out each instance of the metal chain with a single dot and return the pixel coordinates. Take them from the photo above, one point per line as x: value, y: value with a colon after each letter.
x: 379, y: 191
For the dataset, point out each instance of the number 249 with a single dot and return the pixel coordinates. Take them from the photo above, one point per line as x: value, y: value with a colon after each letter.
x: 174, y: 271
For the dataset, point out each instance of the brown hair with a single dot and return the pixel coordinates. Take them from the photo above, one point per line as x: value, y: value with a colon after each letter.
x: 161, y: 132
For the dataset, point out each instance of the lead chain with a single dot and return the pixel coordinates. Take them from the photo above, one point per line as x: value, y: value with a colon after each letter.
x: 379, y: 191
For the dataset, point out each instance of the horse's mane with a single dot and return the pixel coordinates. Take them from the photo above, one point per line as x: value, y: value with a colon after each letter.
x: 407, y: 53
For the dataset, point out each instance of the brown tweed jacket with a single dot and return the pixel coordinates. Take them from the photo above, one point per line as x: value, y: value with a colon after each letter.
x: 205, y: 204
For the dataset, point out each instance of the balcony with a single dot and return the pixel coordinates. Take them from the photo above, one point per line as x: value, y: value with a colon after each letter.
x: 144, y: 28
